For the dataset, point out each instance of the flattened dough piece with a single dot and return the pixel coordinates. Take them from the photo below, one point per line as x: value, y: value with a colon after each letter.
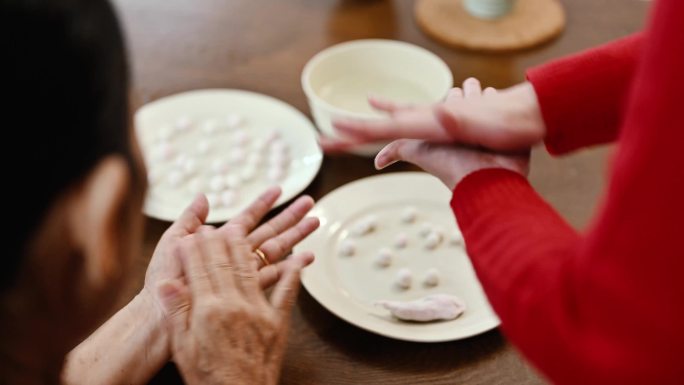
x: 435, y: 307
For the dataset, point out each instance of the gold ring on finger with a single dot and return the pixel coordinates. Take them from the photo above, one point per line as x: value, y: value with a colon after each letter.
x: 262, y: 256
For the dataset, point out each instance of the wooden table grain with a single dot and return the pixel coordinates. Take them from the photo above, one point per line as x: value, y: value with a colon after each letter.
x: 262, y: 46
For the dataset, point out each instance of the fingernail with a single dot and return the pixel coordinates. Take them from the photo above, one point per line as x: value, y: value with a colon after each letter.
x: 340, y: 125
x: 382, y: 162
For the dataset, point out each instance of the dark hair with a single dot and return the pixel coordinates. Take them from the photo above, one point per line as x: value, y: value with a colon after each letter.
x: 65, y: 86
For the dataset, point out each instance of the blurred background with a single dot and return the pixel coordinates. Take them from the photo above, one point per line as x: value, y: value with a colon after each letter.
x: 262, y: 46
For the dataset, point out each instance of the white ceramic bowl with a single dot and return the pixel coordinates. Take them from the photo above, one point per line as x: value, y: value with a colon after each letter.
x: 338, y: 80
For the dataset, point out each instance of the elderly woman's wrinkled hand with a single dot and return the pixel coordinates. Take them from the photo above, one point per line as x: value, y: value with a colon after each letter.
x: 223, y: 328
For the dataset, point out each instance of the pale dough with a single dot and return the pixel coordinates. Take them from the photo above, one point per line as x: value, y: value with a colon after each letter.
x: 431, y: 277
x: 404, y: 278
x: 384, y: 257
x: 348, y: 248
x: 433, y: 240
x: 401, y: 241
x: 409, y: 215
x: 433, y: 307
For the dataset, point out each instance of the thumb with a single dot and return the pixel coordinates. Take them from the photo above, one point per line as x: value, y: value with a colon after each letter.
x: 192, y: 217
x: 402, y: 149
x: 452, y: 121
x: 175, y: 299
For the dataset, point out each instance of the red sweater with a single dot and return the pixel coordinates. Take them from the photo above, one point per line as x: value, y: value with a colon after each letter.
x: 605, y: 306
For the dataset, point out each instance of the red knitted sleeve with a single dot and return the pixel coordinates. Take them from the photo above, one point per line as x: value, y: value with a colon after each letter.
x: 605, y: 307
x: 582, y: 97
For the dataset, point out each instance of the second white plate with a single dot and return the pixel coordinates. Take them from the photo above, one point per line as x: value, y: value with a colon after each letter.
x: 257, y: 117
x: 349, y: 285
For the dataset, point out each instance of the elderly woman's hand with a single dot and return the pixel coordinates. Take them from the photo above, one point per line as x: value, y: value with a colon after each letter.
x: 224, y: 330
x: 275, y: 238
x: 143, y: 320
x: 507, y: 120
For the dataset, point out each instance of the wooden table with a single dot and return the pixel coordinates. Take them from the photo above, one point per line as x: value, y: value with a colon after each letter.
x: 262, y: 45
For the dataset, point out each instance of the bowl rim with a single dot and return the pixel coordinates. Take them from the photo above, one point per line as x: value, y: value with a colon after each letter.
x: 353, y: 44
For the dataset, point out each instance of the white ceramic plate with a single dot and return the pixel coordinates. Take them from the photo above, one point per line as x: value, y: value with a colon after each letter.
x: 259, y: 117
x: 348, y: 286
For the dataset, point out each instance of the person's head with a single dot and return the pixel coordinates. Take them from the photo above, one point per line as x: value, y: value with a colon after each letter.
x: 71, y: 172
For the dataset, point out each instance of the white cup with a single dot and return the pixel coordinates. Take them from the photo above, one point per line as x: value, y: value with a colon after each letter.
x: 338, y: 80
x: 488, y: 9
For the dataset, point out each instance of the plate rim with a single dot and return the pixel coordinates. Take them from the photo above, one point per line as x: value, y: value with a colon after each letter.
x: 488, y: 324
x: 236, y: 91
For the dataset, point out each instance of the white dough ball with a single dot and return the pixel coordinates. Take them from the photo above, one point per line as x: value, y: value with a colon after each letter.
x: 233, y: 121
x: 259, y: 145
x: 433, y: 240
x: 409, y: 215
x: 190, y: 166
x: 153, y: 176
x: 165, y: 133
x: 248, y: 173
x: 237, y: 155
x: 183, y: 124
x: 175, y: 178
x: 180, y: 160
x: 203, y: 146
x: 456, y: 238
x: 367, y: 225
x: 279, y: 147
x: 361, y: 228
x: 163, y: 151
x: 372, y: 222
x: 426, y: 229
x: 214, y: 199
x: 273, y: 136
x: 278, y: 162
x: 210, y: 126
x: 276, y: 174
x: 228, y: 198
x: 348, y: 248
x: 401, y: 241
x: 384, y: 257
x: 279, y: 154
x: 233, y: 182
x: 241, y: 138
x: 219, y: 166
x: 197, y: 186
x: 255, y: 160
x: 404, y: 278
x: 431, y: 277
x: 217, y: 183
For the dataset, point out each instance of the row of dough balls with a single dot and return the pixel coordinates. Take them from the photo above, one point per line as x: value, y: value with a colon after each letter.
x: 222, y: 177
x: 431, y: 233
x: 208, y: 127
x: 404, y: 278
x: 433, y: 237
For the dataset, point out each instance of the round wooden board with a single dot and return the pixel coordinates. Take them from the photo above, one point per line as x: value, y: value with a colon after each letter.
x: 530, y: 22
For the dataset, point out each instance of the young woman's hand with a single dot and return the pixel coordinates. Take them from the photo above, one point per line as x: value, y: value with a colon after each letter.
x: 452, y: 162
x: 507, y: 120
x: 223, y: 328
x: 448, y: 162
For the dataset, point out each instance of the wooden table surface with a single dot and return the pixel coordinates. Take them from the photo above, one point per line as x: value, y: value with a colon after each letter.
x: 262, y: 46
